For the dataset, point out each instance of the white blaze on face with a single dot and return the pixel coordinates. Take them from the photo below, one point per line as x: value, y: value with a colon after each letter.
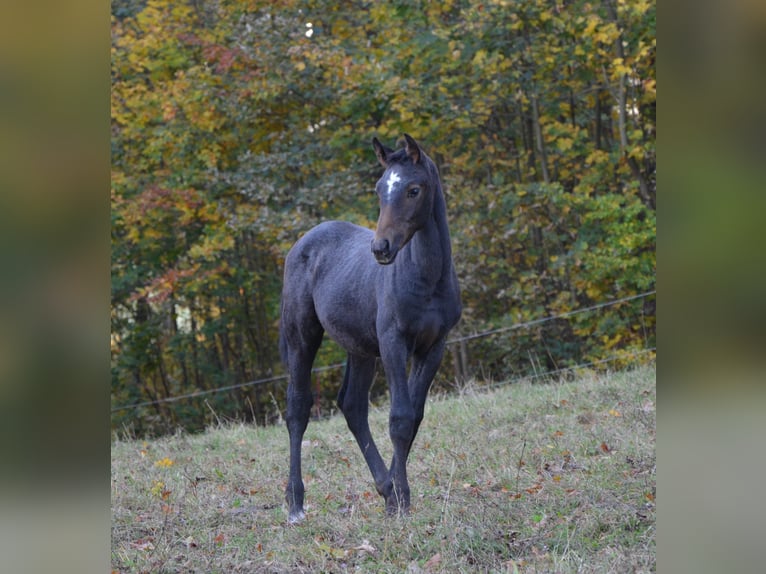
x: 393, y: 178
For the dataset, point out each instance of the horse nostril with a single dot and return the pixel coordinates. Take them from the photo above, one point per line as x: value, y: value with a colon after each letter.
x: 380, y: 246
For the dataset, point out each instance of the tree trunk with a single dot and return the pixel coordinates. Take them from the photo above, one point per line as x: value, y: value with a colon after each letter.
x: 622, y: 119
x: 540, y: 144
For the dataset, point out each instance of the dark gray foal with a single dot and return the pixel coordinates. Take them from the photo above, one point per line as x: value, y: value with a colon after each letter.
x: 391, y: 294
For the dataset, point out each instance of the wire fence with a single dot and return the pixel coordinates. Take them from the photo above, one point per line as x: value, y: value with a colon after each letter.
x: 487, y: 333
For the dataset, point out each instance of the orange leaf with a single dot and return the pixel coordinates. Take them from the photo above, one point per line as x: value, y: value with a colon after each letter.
x: 143, y: 544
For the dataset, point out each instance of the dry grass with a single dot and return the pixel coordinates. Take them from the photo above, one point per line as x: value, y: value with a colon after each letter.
x: 555, y: 477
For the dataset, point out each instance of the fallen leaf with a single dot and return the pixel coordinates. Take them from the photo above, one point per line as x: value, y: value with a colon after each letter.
x: 605, y: 447
x: 158, y: 488
x: 189, y: 542
x: 335, y: 553
x: 143, y: 544
x: 534, y: 489
x: 433, y: 562
x: 365, y: 546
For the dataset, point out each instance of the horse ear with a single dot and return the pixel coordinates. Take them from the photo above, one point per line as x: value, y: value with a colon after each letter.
x: 412, y: 148
x: 381, y: 151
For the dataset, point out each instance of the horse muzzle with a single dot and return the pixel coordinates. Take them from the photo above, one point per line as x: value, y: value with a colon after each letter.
x: 383, y: 252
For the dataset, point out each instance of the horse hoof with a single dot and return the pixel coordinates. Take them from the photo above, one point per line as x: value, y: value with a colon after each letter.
x: 296, y: 517
x: 397, y: 509
x: 396, y: 512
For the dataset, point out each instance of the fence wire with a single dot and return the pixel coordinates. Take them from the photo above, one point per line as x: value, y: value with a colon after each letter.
x: 470, y: 337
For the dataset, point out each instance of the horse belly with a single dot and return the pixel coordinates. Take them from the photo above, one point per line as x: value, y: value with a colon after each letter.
x: 348, y: 317
x: 354, y: 333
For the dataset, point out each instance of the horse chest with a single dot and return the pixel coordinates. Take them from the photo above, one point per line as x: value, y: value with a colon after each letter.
x: 421, y: 319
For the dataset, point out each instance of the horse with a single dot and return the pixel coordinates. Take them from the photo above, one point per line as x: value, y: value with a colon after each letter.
x: 393, y: 294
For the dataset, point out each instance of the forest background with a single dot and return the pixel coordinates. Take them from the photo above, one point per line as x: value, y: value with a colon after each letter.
x: 237, y: 126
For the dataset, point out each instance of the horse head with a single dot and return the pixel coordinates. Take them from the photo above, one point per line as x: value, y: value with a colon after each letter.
x: 406, y: 195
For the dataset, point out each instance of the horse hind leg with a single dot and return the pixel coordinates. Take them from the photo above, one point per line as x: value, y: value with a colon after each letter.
x: 353, y: 401
x: 299, y: 358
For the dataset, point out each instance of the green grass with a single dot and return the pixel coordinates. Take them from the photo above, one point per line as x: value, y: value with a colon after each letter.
x: 553, y: 477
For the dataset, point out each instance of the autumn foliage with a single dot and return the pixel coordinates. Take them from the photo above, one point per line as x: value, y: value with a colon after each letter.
x: 236, y: 126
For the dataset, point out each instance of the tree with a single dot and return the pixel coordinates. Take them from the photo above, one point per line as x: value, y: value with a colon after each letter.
x: 238, y: 126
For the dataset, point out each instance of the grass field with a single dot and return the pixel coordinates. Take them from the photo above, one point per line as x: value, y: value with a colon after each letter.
x: 543, y: 477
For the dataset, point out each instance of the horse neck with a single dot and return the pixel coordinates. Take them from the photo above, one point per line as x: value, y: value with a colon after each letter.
x: 429, y: 250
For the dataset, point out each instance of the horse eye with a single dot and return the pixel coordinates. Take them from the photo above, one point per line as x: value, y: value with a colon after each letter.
x: 413, y: 192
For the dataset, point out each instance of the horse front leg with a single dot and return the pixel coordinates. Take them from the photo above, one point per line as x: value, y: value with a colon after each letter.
x: 422, y: 374
x: 407, y: 409
x: 401, y: 426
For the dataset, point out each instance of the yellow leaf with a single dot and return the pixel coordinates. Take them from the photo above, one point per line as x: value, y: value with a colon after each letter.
x: 479, y: 57
x: 593, y: 21
x: 564, y: 143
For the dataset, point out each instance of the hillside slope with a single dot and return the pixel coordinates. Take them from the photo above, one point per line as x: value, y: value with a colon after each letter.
x: 557, y: 476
